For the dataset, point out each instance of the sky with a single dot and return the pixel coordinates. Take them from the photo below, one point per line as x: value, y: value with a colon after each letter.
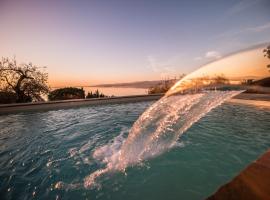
x: 111, y: 41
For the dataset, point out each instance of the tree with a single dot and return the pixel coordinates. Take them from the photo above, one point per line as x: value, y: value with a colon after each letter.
x: 7, y: 97
x: 96, y: 94
x: 162, y: 87
x: 266, y: 52
x: 26, y: 81
x: 220, y: 79
x: 66, y: 93
x: 89, y: 95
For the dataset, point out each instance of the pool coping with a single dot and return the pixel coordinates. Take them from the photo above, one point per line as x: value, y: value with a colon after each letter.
x: 261, y: 100
x: 257, y: 103
x: 251, y: 183
x: 63, y: 104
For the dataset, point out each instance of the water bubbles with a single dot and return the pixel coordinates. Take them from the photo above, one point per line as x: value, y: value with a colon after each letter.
x: 155, y: 133
x: 72, y: 152
x: 86, y: 161
x: 49, y: 163
x: 158, y: 129
x: 59, y: 185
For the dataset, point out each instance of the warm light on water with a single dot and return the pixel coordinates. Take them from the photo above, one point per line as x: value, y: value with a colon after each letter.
x: 108, y: 152
x: 160, y: 126
x: 41, y: 152
x: 200, y: 61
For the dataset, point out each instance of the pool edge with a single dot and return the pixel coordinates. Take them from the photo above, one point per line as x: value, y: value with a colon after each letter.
x: 262, y: 100
x: 64, y: 104
x: 251, y: 183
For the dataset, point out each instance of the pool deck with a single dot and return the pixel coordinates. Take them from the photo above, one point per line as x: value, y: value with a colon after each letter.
x: 251, y: 184
x: 261, y: 100
x: 258, y: 100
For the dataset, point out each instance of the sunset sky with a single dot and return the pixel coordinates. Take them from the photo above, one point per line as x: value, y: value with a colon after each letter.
x: 236, y: 67
x: 93, y: 42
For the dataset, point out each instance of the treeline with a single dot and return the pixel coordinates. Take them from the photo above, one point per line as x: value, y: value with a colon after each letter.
x: 162, y: 87
x: 66, y: 93
x: 25, y: 82
x: 54, y: 95
x: 73, y: 93
x: 197, y: 83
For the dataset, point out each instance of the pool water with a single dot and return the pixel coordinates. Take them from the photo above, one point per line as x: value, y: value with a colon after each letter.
x: 39, y: 150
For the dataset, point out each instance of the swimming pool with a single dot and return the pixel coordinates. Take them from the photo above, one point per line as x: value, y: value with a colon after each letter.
x: 41, y: 151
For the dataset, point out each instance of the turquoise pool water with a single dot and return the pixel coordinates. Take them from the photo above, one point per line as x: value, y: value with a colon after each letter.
x: 39, y: 150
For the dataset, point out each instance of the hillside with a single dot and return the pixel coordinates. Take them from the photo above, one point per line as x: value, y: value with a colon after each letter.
x: 138, y: 84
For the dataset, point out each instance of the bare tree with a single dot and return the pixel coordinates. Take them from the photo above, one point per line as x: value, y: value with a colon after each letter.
x: 266, y: 52
x: 25, y: 80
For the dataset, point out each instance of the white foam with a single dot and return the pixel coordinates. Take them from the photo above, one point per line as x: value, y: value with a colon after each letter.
x: 156, y: 131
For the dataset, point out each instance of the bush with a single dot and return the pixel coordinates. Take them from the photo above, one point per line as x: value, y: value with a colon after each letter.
x: 96, y: 94
x: 162, y: 87
x: 66, y: 93
x: 265, y: 82
x: 7, y: 97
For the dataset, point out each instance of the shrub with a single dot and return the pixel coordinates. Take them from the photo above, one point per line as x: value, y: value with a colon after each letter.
x: 162, y: 87
x: 7, y: 97
x: 96, y: 94
x: 66, y: 93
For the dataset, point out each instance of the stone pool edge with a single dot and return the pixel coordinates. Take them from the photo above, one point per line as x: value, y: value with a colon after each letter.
x: 262, y: 100
x: 52, y: 105
x: 251, y: 183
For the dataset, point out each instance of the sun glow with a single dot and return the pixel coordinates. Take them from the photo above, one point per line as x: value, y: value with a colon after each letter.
x: 235, y: 68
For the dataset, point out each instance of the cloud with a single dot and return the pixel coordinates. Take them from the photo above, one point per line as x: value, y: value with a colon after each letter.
x: 153, y: 63
x: 241, y: 6
x: 198, y: 58
x: 248, y: 30
x: 213, y: 54
x: 209, y: 55
x: 259, y: 28
x: 164, y: 68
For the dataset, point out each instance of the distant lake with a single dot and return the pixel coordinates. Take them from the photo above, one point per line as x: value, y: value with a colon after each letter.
x: 117, y: 91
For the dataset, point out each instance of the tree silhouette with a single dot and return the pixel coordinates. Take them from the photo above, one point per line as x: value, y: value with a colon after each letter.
x: 26, y: 81
x: 266, y: 52
x: 66, y: 93
x: 96, y: 94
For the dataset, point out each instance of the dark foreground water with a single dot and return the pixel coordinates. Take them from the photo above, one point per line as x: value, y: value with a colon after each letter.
x: 37, y: 150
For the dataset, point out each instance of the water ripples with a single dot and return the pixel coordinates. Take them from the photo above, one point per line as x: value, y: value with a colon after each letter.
x: 47, y: 155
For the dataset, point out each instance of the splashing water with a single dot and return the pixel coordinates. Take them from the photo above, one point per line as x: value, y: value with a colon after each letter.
x: 156, y: 131
x: 159, y: 127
